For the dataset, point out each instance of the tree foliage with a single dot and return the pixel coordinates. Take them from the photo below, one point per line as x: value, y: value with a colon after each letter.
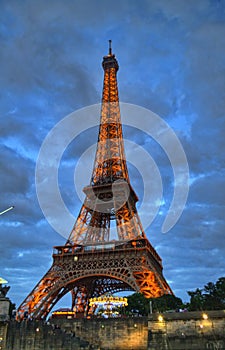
x: 139, y: 305
x: 166, y: 302
x: 211, y: 297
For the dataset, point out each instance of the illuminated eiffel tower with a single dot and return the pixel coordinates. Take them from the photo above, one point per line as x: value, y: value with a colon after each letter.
x: 107, y: 250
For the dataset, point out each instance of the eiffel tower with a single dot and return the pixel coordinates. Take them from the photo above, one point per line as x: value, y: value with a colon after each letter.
x: 107, y: 250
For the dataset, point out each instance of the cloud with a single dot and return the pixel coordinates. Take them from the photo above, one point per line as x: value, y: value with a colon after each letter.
x: 171, y: 58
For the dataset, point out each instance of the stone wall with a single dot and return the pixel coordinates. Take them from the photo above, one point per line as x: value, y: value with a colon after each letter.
x: 4, y: 308
x: 187, y: 331
x: 113, y: 333
x: 3, y: 334
x: 176, y: 331
x: 37, y: 335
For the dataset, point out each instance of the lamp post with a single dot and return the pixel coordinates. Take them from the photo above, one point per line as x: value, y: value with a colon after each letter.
x: 5, y: 211
x: 150, y: 306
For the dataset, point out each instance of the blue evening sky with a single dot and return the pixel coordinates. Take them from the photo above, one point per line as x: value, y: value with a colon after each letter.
x: 172, y: 62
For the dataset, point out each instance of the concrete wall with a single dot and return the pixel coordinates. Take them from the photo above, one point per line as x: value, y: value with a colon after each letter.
x: 177, y: 331
x: 36, y: 335
x: 112, y: 333
x: 187, y: 331
x: 4, y: 308
x: 3, y: 334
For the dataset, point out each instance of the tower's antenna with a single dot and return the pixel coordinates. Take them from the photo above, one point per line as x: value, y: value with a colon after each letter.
x: 110, y: 47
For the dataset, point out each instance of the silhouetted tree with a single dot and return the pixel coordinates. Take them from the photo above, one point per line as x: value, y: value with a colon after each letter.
x: 211, y: 297
x: 138, y: 304
x: 166, y: 302
x: 196, y: 301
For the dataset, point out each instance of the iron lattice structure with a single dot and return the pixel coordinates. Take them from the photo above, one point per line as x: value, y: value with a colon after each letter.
x: 107, y: 250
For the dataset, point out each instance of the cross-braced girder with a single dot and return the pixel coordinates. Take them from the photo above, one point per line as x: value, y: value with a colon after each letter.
x: 107, y: 250
x: 95, y: 270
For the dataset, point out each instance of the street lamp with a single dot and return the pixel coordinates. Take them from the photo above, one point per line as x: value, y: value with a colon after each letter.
x: 8, y: 209
x: 160, y: 318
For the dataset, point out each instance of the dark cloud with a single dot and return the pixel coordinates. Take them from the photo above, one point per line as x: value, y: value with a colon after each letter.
x: 171, y: 57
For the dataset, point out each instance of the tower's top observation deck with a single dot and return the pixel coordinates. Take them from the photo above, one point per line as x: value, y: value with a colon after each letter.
x: 110, y: 61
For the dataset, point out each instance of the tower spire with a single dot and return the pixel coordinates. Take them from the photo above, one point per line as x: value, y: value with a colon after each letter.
x: 110, y: 162
x: 109, y: 195
x: 110, y: 47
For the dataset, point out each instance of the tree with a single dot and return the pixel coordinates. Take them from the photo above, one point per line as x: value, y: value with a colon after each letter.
x: 166, y: 302
x: 211, y: 297
x: 138, y: 304
x: 196, y: 301
x: 220, y: 288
